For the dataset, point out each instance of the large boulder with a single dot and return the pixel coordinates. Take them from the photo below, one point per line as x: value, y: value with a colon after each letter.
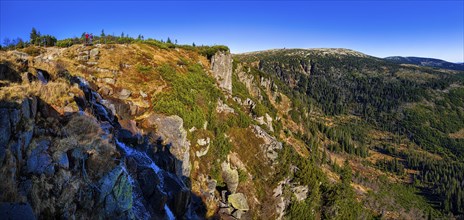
x: 94, y: 53
x: 238, y: 201
x: 171, y: 129
x: 230, y: 177
x: 26, y: 108
x: 125, y: 94
x: 25, y: 139
x: 221, y: 66
x: 116, y: 192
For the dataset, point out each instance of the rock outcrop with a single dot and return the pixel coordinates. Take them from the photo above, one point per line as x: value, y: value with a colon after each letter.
x: 224, y: 108
x: 172, y: 132
x: 203, y: 143
x: 230, y: 177
x: 239, y: 203
x: 116, y: 194
x: 270, y: 146
x: 221, y: 66
x: 300, y: 192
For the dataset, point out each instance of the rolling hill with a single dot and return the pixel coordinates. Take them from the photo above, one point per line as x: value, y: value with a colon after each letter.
x: 430, y: 62
x: 143, y: 129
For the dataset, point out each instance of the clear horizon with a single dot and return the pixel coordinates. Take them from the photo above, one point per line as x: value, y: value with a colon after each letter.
x: 433, y: 29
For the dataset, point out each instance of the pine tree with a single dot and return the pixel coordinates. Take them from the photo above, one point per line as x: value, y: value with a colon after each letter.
x: 34, y: 36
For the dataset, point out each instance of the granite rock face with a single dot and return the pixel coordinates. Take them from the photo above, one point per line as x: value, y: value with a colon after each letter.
x: 230, y: 177
x: 221, y: 66
x: 171, y: 129
x: 270, y: 146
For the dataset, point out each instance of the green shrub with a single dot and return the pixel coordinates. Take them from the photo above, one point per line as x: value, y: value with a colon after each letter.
x: 191, y: 96
x: 65, y: 43
x: 209, y: 51
x: 144, y: 68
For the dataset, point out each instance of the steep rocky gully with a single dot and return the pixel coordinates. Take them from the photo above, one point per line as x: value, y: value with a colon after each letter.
x: 138, y: 181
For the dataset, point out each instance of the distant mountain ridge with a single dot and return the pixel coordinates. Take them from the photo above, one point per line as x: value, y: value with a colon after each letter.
x: 430, y: 62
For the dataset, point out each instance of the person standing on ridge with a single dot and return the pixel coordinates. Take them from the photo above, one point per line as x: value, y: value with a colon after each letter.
x: 91, y: 38
x: 86, y: 38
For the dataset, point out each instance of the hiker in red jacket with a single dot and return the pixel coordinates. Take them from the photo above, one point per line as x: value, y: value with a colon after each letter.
x: 86, y: 37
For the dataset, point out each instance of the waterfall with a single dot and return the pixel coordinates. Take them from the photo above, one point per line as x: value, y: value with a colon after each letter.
x: 168, y: 212
x: 138, y: 208
x: 100, y: 111
x: 41, y: 77
x: 143, y: 160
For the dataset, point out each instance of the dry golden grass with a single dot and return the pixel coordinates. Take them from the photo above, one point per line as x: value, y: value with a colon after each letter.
x: 418, y: 76
x: 375, y: 156
x: 85, y: 132
x: 332, y: 176
x: 458, y: 134
x: 57, y: 93
x: 119, y: 62
x: 33, y: 50
x: 299, y: 146
x: 360, y: 189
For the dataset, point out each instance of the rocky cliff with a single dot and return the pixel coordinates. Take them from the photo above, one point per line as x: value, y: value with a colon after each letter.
x: 85, y: 164
x: 221, y: 66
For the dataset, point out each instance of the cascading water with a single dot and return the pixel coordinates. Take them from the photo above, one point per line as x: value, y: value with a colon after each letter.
x: 41, y: 77
x: 142, y: 159
x: 138, y: 208
x: 169, y: 213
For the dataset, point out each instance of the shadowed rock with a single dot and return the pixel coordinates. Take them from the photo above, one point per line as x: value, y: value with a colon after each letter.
x: 21, y: 211
x: 40, y: 161
x: 8, y: 74
x: 173, y: 133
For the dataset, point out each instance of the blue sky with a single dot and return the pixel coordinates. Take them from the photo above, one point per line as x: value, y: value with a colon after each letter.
x: 379, y: 28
